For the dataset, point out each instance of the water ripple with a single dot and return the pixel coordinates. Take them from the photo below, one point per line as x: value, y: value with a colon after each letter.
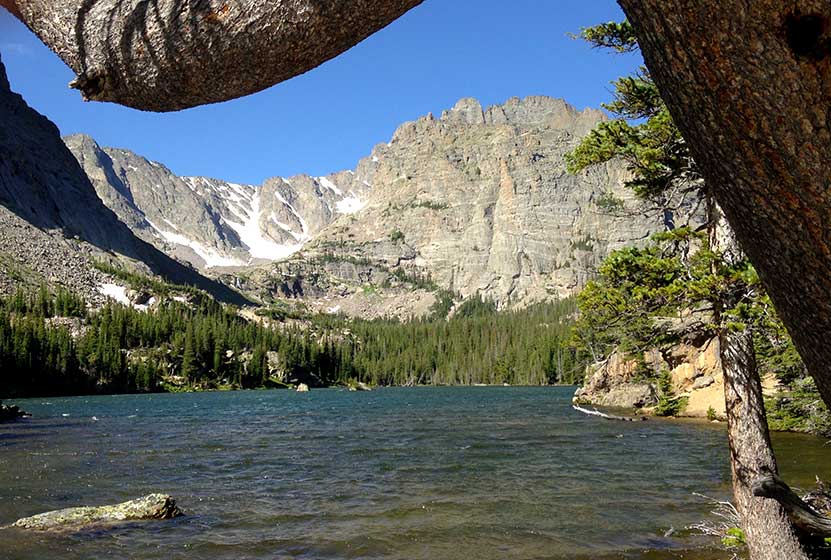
x: 449, y: 473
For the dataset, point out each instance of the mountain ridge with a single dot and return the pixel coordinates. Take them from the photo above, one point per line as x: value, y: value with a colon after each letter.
x: 477, y: 200
x: 54, y: 215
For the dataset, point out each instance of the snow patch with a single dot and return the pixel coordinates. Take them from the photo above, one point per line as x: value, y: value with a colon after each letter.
x: 211, y: 257
x: 325, y: 182
x: 350, y: 204
x: 115, y: 292
x: 260, y: 247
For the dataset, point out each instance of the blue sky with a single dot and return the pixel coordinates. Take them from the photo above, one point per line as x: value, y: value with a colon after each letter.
x: 329, y: 118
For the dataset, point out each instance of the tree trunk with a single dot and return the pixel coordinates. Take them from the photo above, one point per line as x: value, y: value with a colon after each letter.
x: 766, y: 526
x: 749, y: 85
x: 165, y: 55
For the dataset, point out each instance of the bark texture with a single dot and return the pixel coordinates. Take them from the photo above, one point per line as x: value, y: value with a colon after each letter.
x: 165, y: 55
x: 749, y: 85
x: 767, y: 529
x: 802, y: 515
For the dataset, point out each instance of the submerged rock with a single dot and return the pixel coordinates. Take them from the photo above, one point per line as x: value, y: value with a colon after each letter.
x: 11, y: 412
x: 153, y: 506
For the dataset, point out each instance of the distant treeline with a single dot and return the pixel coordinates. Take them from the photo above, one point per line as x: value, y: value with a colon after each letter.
x: 51, y: 344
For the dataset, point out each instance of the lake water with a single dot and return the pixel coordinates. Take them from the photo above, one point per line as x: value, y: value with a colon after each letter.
x: 425, y: 473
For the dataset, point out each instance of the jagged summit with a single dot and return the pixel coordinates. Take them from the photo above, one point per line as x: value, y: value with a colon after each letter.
x: 211, y: 222
x: 533, y: 110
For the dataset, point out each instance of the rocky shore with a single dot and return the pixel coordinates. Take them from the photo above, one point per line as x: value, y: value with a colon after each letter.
x: 630, y: 382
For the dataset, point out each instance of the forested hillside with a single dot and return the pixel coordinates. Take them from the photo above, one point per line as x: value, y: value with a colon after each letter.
x: 52, y: 344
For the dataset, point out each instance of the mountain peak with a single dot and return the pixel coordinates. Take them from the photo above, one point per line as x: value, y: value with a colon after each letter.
x: 466, y: 111
x: 4, y: 80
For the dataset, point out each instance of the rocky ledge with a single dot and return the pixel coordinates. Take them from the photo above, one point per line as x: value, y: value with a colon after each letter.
x: 693, y: 365
x: 153, y: 506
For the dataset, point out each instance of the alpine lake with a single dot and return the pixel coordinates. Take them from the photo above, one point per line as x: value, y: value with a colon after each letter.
x: 446, y: 473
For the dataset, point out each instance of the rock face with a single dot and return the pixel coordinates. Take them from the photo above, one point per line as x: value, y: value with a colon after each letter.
x: 694, y: 366
x: 477, y: 200
x: 50, y: 216
x: 213, y: 223
x: 614, y: 383
x: 480, y: 201
x: 153, y: 506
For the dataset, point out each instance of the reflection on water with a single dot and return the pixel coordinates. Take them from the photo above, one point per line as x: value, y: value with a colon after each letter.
x: 445, y: 473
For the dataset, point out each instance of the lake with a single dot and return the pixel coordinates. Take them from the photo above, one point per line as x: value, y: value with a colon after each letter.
x: 421, y: 473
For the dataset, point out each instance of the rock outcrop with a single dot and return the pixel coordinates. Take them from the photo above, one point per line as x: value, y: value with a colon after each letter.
x: 11, y: 412
x: 615, y: 383
x: 694, y: 366
x: 153, y: 506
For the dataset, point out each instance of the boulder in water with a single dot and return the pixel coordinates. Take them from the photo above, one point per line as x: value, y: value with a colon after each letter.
x: 302, y: 388
x: 153, y: 506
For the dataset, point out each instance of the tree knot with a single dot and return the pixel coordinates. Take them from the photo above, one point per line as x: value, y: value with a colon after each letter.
x: 807, y: 35
x: 92, y: 84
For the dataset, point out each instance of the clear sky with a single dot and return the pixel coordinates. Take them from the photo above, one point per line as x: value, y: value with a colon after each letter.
x: 329, y: 118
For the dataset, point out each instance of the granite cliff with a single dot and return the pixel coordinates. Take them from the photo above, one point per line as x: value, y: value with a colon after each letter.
x: 475, y: 201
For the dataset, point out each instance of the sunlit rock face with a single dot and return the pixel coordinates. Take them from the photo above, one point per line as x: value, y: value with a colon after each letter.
x: 477, y: 200
x: 483, y: 202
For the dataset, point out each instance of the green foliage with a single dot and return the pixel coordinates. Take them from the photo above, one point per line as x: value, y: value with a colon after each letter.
x: 668, y: 403
x: 280, y: 311
x: 608, y: 202
x: 583, y: 244
x: 416, y: 279
x: 639, y: 289
x: 734, y: 538
x: 443, y: 304
x: 477, y: 345
x: 141, y: 282
x: 204, y: 345
x: 397, y: 236
x: 329, y: 257
x: 619, y: 36
x: 476, y: 306
x: 643, y: 135
x: 653, y: 150
x: 801, y: 409
x: 430, y: 204
x: 711, y: 414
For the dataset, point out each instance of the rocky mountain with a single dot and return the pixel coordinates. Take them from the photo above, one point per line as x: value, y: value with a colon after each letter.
x: 54, y: 226
x: 475, y: 201
x: 480, y: 201
x: 213, y: 223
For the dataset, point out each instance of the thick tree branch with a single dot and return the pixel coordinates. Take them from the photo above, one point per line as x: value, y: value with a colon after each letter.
x: 10, y: 6
x: 165, y: 55
x: 801, y: 514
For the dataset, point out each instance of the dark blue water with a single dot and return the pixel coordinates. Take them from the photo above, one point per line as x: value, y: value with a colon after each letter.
x: 444, y: 473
